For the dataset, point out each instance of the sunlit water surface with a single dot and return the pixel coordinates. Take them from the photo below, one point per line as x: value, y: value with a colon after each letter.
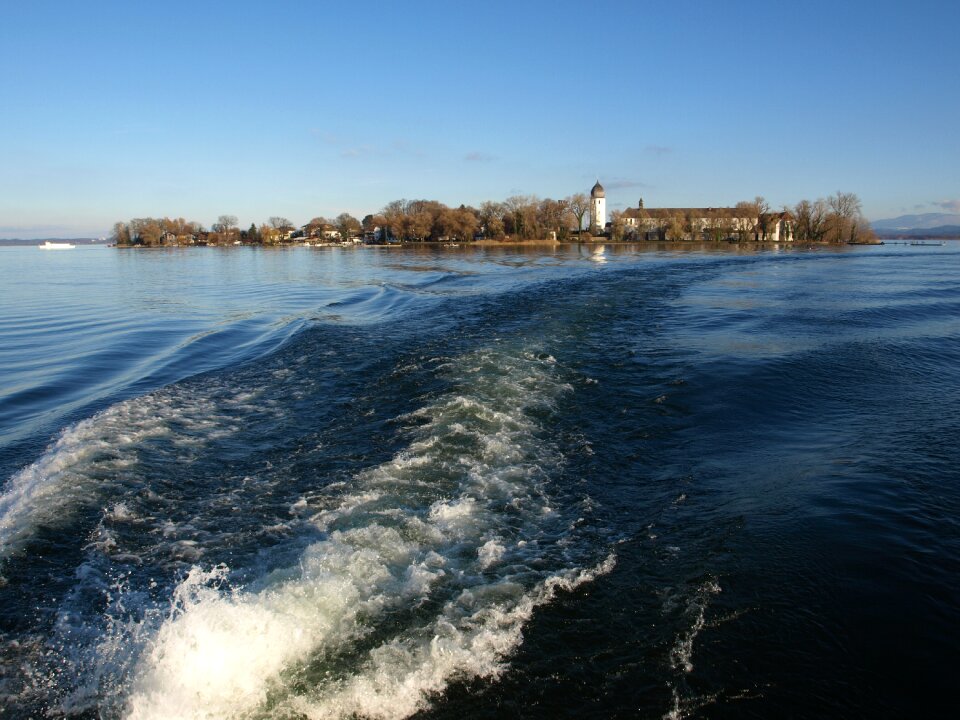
x: 601, y: 482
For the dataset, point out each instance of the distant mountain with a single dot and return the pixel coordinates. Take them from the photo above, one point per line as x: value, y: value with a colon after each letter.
x: 943, y: 232
x: 924, y: 221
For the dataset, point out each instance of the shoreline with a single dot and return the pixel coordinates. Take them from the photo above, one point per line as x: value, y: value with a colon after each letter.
x: 596, y: 242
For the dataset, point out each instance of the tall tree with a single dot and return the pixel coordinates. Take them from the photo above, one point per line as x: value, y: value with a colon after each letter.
x: 121, y: 234
x: 845, y: 208
x: 347, y: 226
x: 316, y: 225
x: 747, y: 220
x: 579, y: 205
x: 225, y: 223
x: 617, y: 225
x: 491, y: 219
x: 676, y: 230
x: 764, y: 219
x: 283, y: 226
x: 393, y: 215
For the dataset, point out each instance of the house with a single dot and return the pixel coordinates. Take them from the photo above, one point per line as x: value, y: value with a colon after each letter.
x: 325, y: 232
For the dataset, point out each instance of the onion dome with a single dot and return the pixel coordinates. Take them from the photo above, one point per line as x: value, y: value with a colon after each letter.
x: 597, y: 191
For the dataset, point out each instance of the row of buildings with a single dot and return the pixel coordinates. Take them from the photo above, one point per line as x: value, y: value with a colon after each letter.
x: 692, y: 223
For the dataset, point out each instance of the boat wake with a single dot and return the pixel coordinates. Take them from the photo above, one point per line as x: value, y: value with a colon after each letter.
x: 417, y: 571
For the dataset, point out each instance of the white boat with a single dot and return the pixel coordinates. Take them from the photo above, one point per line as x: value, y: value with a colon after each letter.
x: 56, y: 246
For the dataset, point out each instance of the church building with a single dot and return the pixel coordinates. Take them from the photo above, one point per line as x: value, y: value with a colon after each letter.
x: 693, y: 223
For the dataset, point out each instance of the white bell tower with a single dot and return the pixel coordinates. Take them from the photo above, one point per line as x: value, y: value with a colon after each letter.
x: 598, y: 209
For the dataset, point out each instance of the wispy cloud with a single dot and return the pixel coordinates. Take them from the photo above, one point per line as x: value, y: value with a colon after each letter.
x: 324, y: 136
x: 477, y: 156
x: 348, y: 148
x: 358, y: 151
x: 405, y: 147
x: 623, y: 184
x: 658, y: 150
x: 949, y: 205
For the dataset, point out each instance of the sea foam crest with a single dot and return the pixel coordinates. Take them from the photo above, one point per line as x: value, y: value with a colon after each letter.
x: 92, y: 459
x: 429, y: 566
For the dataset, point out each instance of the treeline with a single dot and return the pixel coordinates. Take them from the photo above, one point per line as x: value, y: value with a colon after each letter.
x: 177, y: 231
x: 837, y: 218
x: 521, y: 217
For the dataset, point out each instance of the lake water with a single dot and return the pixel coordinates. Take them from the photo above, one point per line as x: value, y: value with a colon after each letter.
x: 628, y: 482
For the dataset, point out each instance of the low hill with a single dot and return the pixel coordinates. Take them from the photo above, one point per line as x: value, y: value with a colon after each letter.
x: 924, y: 221
x: 942, y: 232
x: 924, y: 225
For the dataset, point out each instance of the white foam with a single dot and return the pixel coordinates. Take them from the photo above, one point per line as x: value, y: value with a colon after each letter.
x: 339, y: 635
x: 681, y: 654
x: 490, y: 553
x: 89, y: 454
x: 120, y: 512
x: 95, y: 458
x: 471, y: 638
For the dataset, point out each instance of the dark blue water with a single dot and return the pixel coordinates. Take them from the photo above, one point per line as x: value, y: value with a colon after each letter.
x: 629, y: 482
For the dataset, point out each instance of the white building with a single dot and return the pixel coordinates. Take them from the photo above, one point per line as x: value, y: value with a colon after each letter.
x: 598, y: 209
x: 709, y: 223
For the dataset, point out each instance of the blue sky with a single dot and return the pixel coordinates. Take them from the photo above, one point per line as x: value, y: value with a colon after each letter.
x: 114, y: 110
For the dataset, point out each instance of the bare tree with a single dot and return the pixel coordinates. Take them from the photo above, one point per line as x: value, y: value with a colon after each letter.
x: 491, y: 219
x: 281, y: 225
x: 747, y: 213
x: 225, y: 223
x: 347, y: 226
x: 553, y: 216
x: 845, y: 208
x: 579, y: 205
x: 269, y: 235
x: 121, y: 234
x: 393, y: 215
x: 675, y: 228
x: 617, y: 225
x: 316, y: 225
x: 764, y: 219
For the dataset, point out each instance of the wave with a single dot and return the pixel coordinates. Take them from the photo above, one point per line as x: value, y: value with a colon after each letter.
x: 97, y: 458
x: 423, y: 569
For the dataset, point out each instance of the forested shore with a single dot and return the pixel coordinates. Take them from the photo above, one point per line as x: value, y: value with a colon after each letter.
x: 835, y: 219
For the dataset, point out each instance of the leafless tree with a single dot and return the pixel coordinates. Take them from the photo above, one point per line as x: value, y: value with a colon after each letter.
x: 845, y: 209
x: 121, y: 234
x: 491, y: 219
x: 225, y: 223
x: 617, y: 225
x: 347, y: 226
x: 579, y: 205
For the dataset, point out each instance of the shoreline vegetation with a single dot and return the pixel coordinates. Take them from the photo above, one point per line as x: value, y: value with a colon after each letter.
x: 522, y: 220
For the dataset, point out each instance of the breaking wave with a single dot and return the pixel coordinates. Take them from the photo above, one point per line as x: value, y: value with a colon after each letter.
x: 98, y: 457
x: 420, y: 571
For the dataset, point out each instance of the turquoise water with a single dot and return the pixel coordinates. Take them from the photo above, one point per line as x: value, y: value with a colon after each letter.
x: 649, y: 482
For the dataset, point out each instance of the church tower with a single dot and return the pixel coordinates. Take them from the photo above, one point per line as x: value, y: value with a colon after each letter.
x: 598, y: 209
